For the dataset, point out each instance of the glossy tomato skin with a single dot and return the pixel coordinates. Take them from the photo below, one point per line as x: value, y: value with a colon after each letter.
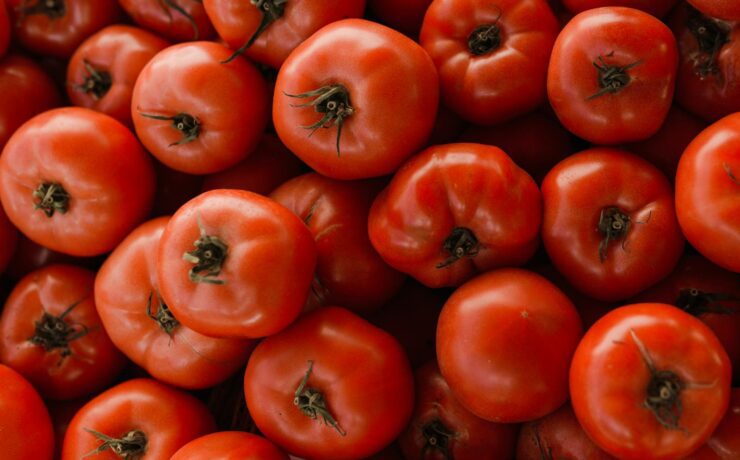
x: 722, y: 9
x: 237, y: 21
x: 102, y: 71
x: 708, y: 192
x: 229, y: 445
x: 371, y: 402
x: 403, y: 15
x: 100, y: 165
x: 168, y: 22
x: 724, y: 444
x: 480, y: 190
x: 25, y: 424
x: 265, y: 276
x: 656, y: 8
x: 127, y: 298
x: 579, y: 193
x: 537, y: 331
x: 167, y: 418
x: 613, y: 38
x: 486, y: 83
x: 631, y: 349
x: 393, y: 92
x: 226, y: 103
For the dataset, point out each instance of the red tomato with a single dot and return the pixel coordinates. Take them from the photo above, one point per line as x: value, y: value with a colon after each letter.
x: 655, y: 7
x: 142, y: 418
x: 612, y: 74
x: 537, y: 330
x: 609, y: 224
x: 102, y: 72
x: 373, y: 91
x: 4, y: 29
x: 25, y: 424
x: 229, y: 445
x: 455, y: 210
x: 491, y: 57
x: 708, y: 192
x: 176, y: 20
x: 195, y: 114
x: 267, y: 31
x: 649, y: 381
x: 331, y: 386
x: 724, y: 444
x: 403, y: 15
x: 722, y: 9
x: 235, y: 264
x: 442, y: 427
x: 75, y: 181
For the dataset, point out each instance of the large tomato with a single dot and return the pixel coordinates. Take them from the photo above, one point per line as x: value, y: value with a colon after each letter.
x: 176, y: 20
x: 722, y: 9
x: 229, y: 445
x: 649, y: 381
x: 724, y: 444
x: 355, y: 99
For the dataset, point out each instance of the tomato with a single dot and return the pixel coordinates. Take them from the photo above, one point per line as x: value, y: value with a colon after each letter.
x: 195, y: 114
x: 267, y: 31
x: 4, y: 29
x: 491, y: 57
x: 708, y: 192
x: 25, y: 424
x: 655, y: 7
x: 649, y: 381
x: 349, y: 272
x: 455, y: 210
x: 612, y: 74
x: 176, y: 20
x: 722, y: 9
x: 537, y: 330
x: 724, y: 444
x: 235, y: 264
x: 442, y: 427
x: 557, y: 436
x: 609, y: 224
x: 102, y: 71
x: 57, y: 27
x: 355, y: 100
x: 25, y: 90
x: 75, y: 181
x: 229, y: 445
x: 331, y: 386
x: 403, y: 15
x: 708, y: 82
x: 141, y: 418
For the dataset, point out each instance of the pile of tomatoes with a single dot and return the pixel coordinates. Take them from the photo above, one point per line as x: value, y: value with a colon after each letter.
x: 370, y: 229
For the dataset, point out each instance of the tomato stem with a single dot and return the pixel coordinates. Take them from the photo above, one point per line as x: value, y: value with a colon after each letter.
x: 271, y: 10
x: 163, y: 315
x: 484, y: 39
x: 97, y: 83
x: 330, y: 100
x: 711, y: 35
x: 611, y: 78
x: 52, y: 198
x: 461, y: 243
x: 613, y: 225
x: 187, y: 124
x: 697, y: 302
x: 729, y: 172
x: 311, y: 402
x: 53, y: 332
x: 542, y: 447
x: 175, y: 6
x: 208, y: 257
x: 54, y: 9
x: 130, y: 446
x: 437, y: 438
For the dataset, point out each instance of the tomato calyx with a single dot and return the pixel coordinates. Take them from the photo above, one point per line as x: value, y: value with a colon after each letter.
x: 613, y: 225
x: 731, y: 174
x: 167, y: 4
x: 461, y: 243
x: 271, y: 10
x: 208, y: 257
x: 187, y: 124
x: 711, y: 35
x: 333, y: 102
x: 162, y: 316
x: 54, y: 9
x: 611, y: 78
x: 697, y: 302
x: 130, y: 446
x: 97, y: 83
x: 312, y: 403
x: 484, y: 39
x: 51, y: 198
x: 54, y: 332
x: 437, y: 438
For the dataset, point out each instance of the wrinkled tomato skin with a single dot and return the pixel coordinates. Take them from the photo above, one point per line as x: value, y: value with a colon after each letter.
x: 722, y: 9
x: 229, y: 445
x: 724, y: 444
x: 166, y: 21
x: 657, y: 8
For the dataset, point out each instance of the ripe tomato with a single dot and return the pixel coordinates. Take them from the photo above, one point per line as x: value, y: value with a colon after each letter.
x: 176, y: 20
x: 140, y: 418
x: 655, y: 7
x: 75, y: 181
x: 267, y: 31
x: 195, y: 114
x: 455, y: 210
x: 403, y: 15
x: 649, y: 381
x: 609, y: 224
x: 491, y: 57
x: 25, y: 424
x: 724, y: 444
x: 331, y: 386
x: 708, y: 192
x: 372, y: 89
x: 102, y: 72
x: 235, y: 264
x: 722, y: 9
x: 612, y: 74
x: 229, y: 445
x: 537, y: 330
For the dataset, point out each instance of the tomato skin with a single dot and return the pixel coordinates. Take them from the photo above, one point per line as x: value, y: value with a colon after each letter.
x: 166, y: 21
x: 229, y: 445
x: 708, y: 193
x: 622, y: 37
x: 168, y: 418
x: 403, y: 15
x: 121, y: 52
x: 4, y: 29
x: 582, y: 188
x: 657, y: 8
x: 722, y: 9
x: 504, y: 82
x: 25, y: 424
x: 537, y: 331
x: 393, y: 89
x: 371, y: 403
x: 609, y: 378
x: 724, y: 444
